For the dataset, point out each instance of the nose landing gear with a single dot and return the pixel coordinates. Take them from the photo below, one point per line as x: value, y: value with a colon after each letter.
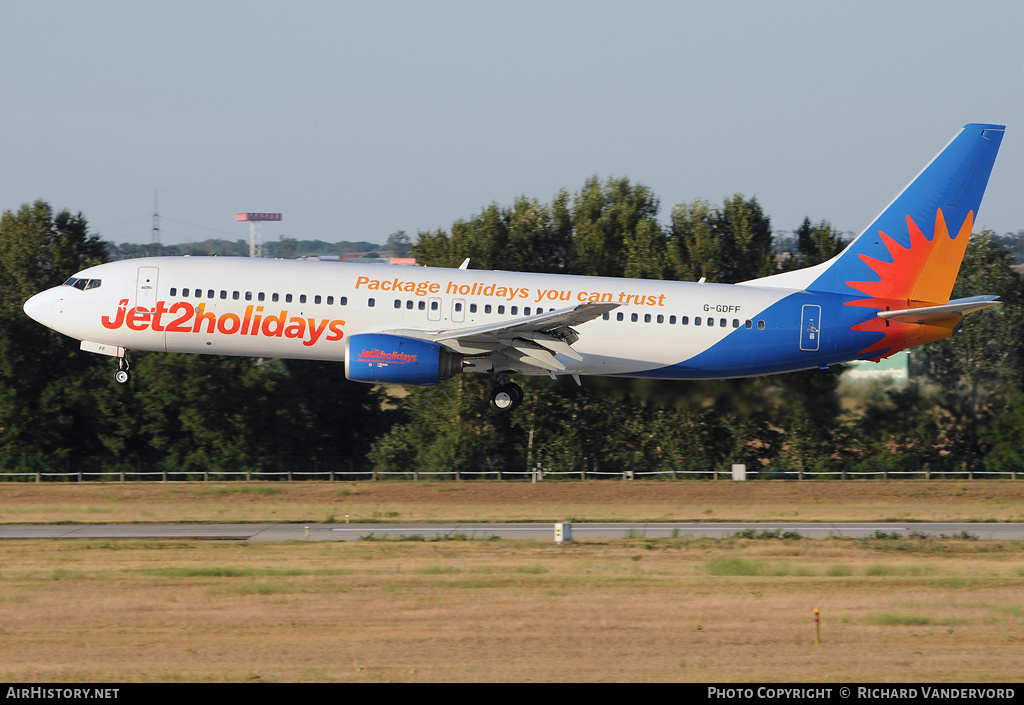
x: 122, y: 375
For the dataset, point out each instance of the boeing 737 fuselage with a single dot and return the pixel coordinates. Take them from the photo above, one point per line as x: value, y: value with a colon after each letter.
x: 887, y: 291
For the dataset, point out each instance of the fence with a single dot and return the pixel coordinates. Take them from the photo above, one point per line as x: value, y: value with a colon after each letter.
x: 538, y: 473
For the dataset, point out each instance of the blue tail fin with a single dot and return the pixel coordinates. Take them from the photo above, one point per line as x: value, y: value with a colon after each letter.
x: 913, y: 249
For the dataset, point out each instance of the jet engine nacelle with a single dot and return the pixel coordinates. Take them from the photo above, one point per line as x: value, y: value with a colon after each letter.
x: 394, y: 359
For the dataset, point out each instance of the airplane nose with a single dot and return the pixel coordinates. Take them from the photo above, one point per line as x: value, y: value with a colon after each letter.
x: 40, y: 308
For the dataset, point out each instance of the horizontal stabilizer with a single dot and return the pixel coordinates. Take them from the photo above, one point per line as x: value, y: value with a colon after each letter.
x: 929, y: 314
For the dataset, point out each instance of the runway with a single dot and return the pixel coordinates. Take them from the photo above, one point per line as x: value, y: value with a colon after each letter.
x: 486, y: 531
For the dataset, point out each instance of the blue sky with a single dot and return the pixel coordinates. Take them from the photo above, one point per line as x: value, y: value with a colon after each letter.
x: 359, y: 119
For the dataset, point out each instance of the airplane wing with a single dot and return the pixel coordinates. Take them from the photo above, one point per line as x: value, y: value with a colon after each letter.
x: 528, y: 341
x: 954, y: 309
x: 531, y: 340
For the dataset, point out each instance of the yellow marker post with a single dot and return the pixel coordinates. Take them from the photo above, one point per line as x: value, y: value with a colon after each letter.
x: 817, y: 626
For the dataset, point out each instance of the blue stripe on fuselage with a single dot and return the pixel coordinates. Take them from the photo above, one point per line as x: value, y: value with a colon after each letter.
x: 747, y: 352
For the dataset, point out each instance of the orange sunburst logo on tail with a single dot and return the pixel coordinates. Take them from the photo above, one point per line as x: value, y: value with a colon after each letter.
x: 921, y: 275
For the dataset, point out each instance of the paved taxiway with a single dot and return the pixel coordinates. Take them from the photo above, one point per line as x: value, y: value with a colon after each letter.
x: 544, y: 531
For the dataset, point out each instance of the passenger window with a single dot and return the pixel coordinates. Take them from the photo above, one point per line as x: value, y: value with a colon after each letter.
x: 398, y: 303
x: 409, y: 304
x: 472, y: 307
x: 760, y: 325
x: 749, y: 324
x: 184, y: 293
x: 647, y: 318
x: 606, y: 316
x: 343, y: 301
x: 722, y: 322
x: 174, y: 291
x: 302, y: 298
x: 696, y: 320
x: 371, y: 303
x: 711, y: 321
x: 422, y: 306
x: 198, y: 293
x: 514, y: 310
x: 248, y: 296
x: 634, y: 317
x: 288, y: 298
x: 209, y: 293
x: 223, y: 294
x: 330, y: 300
x: 317, y: 299
x: 671, y: 320
x: 661, y: 319
x: 234, y: 295
x: 501, y: 309
x: 434, y: 305
x: 487, y: 308
x: 275, y: 298
x: 618, y: 316
x: 261, y: 296
x: 458, y: 306
x: 685, y: 320
x: 735, y: 323
x: 526, y: 311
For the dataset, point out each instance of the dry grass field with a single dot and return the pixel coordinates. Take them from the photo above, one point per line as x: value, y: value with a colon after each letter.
x: 609, y: 500
x: 893, y: 610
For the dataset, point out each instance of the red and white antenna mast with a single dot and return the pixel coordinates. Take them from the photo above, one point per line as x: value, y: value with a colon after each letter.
x: 255, y: 230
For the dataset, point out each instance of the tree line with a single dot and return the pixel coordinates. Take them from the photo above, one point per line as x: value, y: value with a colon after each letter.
x: 963, y: 411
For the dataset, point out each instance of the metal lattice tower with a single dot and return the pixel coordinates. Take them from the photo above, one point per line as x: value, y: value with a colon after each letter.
x: 154, y: 233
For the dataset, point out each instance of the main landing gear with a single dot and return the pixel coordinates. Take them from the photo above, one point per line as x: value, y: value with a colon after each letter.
x: 122, y: 375
x: 506, y: 396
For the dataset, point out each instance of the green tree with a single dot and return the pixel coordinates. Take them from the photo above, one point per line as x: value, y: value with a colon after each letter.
x: 447, y: 428
x: 693, y: 248
x: 604, y: 217
x: 399, y: 244
x: 980, y: 365
x: 645, y: 251
x: 1001, y: 437
x: 727, y: 245
x: 434, y: 249
x: 45, y: 414
x: 818, y: 243
x: 899, y: 429
x: 288, y: 247
x: 745, y: 237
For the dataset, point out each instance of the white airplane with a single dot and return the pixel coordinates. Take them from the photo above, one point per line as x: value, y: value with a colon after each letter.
x: 887, y: 291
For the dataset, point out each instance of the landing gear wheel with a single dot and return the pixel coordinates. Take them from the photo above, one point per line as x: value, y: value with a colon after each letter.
x: 506, y: 397
x: 518, y: 391
x: 122, y: 375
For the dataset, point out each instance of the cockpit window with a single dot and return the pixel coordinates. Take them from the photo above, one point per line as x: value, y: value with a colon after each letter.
x: 83, y: 284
